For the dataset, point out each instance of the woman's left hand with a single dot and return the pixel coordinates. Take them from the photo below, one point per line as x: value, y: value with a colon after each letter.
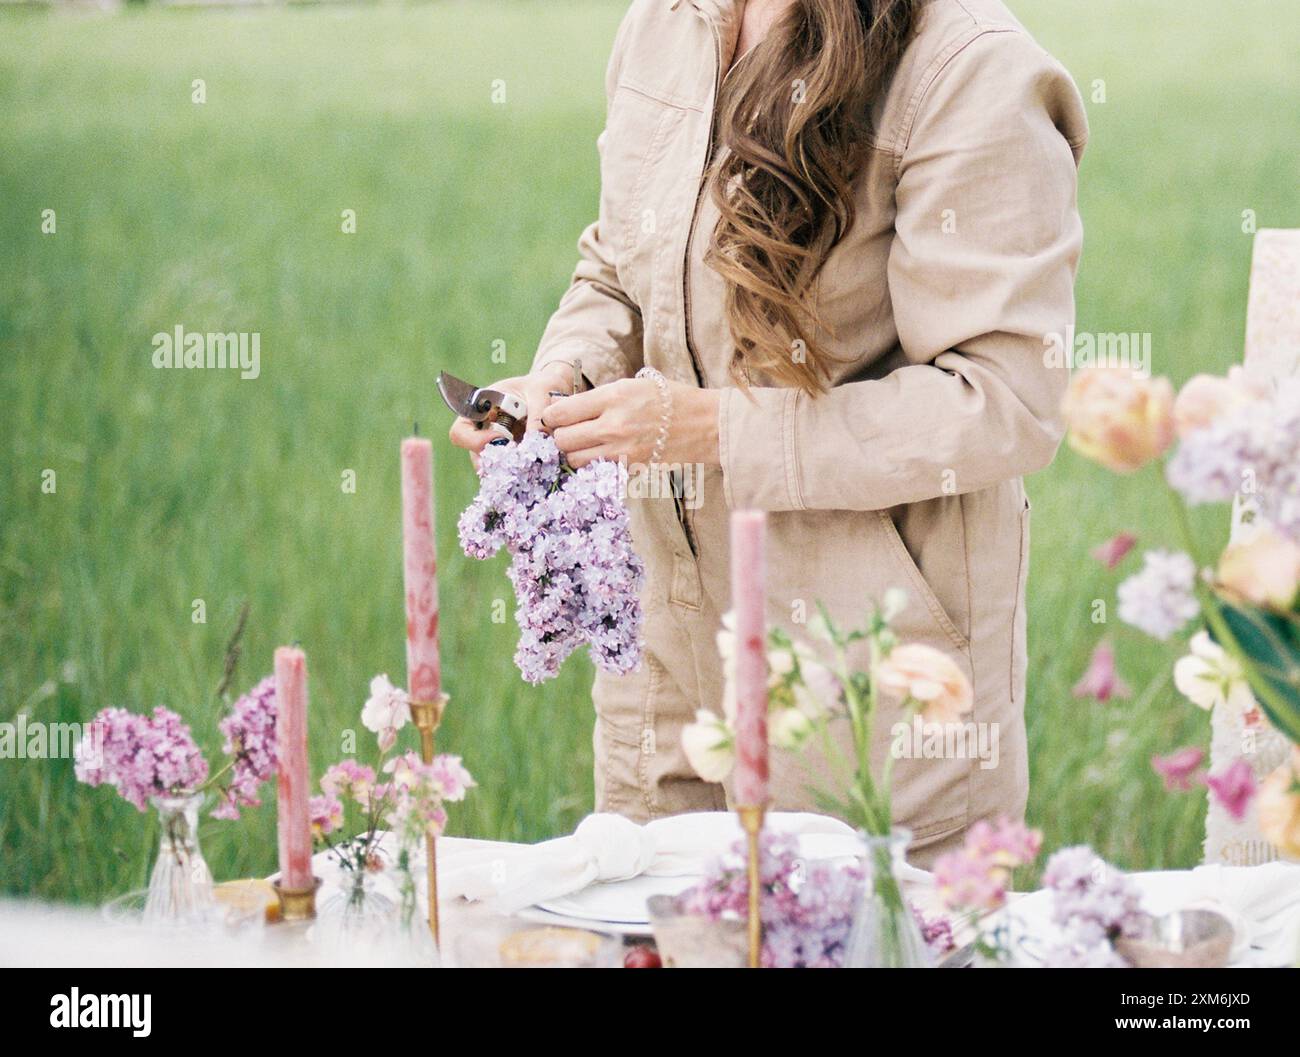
x: 622, y: 420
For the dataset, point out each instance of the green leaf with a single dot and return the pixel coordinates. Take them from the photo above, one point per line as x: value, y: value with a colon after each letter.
x: 1271, y: 644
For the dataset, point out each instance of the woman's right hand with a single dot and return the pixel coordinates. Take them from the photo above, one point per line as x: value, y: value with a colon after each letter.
x: 534, y: 389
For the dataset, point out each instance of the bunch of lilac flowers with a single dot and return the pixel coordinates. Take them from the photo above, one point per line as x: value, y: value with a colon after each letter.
x: 1160, y: 599
x: 140, y: 756
x: 249, y: 733
x: 807, y: 908
x: 1254, y: 449
x: 156, y: 755
x: 1095, y: 904
x: 576, y: 577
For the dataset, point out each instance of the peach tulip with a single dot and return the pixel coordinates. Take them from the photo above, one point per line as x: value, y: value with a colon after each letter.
x: 1117, y: 418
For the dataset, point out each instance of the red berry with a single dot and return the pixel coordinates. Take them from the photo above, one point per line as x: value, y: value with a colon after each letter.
x: 642, y: 957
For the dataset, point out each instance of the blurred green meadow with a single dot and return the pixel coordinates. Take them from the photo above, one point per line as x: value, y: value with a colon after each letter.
x: 178, y: 486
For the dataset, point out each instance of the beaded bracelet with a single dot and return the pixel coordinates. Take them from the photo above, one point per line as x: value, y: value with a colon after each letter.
x: 667, y: 417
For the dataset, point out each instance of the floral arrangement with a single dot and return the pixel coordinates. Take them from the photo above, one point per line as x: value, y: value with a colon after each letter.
x: 575, y: 575
x: 1093, y: 904
x: 408, y: 801
x: 809, y: 697
x: 148, y: 756
x: 807, y: 910
x: 1221, y: 439
x: 974, y: 879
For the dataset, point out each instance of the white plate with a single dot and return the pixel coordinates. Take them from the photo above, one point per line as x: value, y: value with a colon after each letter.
x: 617, y: 902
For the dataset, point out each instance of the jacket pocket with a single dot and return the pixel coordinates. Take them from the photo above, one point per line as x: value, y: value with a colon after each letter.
x: 919, y: 584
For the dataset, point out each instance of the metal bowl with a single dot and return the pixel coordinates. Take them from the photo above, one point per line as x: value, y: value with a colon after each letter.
x: 1183, y: 939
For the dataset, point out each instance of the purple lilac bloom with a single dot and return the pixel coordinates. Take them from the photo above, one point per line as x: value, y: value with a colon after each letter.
x: 140, y: 756
x: 1094, y: 904
x: 807, y: 909
x: 1159, y: 599
x: 249, y: 731
x: 576, y: 577
x: 1252, y: 450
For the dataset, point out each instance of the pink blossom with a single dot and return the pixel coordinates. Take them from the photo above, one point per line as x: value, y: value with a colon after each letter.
x: 349, y: 780
x: 1233, y: 787
x: 326, y: 814
x: 249, y: 731
x: 1008, y: 843
x: 976, y: 876
x: 140, y: 756
x: 1114, y: 550
x: 450, y: 778
x: 1179, y: 768
x: 968, y: 880
x: 1102, y: 680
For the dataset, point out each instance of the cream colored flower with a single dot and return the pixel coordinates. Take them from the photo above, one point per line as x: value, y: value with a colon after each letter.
x: 1209, y: 676
x: 1279, y: 807
x: 1118, y: 418
x: 1263, y: 568
x: 780, y: 661
x: 929, y: 677
x: 788, y: 728
x: 709, y: 746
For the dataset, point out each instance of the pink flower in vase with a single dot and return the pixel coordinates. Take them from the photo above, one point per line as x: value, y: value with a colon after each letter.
x: 1233, y: 787
x: 351, y: 780
x: 1102, y: 680
x: 326, y: 814
x: 1179, y: 768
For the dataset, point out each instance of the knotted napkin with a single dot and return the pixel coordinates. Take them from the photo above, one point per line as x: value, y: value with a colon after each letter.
x: 508, y: 877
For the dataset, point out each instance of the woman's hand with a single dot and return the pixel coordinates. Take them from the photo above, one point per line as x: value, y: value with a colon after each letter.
x: 622, y: 420
x: 533, y: 389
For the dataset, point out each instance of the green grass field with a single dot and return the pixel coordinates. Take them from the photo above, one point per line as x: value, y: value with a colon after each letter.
x: 185, y: 485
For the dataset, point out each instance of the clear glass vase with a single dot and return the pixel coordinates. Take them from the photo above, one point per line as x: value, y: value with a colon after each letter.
x: 885, y: 934
x: 359, y: 906
x: 180, y: 887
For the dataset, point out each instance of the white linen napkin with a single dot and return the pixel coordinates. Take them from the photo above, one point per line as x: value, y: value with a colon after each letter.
x: 607, y: 847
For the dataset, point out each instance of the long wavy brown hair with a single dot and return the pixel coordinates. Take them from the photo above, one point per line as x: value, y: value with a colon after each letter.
x: 794, y: 122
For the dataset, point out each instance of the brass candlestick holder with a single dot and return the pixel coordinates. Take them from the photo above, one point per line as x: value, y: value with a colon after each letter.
x: 751, y: 820
x: 297, y: 904
x: 427, y: 716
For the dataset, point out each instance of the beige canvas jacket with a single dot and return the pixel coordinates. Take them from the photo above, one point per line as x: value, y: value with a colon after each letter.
x: 906, y: 473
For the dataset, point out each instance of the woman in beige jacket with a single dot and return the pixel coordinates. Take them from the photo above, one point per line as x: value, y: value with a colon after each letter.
x: 845, y: 232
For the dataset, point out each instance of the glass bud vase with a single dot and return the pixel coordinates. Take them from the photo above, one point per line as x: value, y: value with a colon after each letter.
x: 358, y: 915
x: 180, y: 887
x: 885, y: 934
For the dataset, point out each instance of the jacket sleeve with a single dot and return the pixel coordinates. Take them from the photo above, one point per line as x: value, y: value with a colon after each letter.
x: 596, y: 321
x: 992, y: 150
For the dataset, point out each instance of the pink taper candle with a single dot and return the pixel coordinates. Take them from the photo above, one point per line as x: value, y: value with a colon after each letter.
x: 293, y: 780
x: 423, y: 674
x: 748, y: 601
